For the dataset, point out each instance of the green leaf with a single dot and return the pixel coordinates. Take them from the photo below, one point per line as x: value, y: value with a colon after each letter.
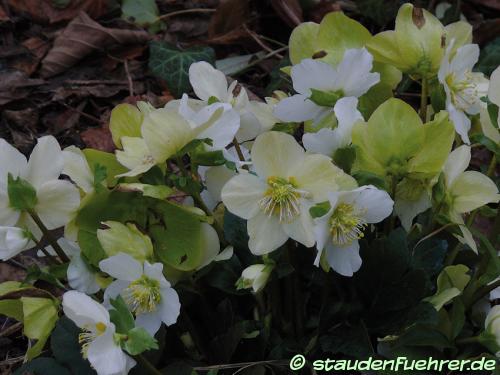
x: 121, y: 316
x: 13, y: 308
x: 108, y: 160
x: 178, y: 242
x: 161, y: 192
x: 209, y: 158
x: 325, y: 98
x: 125, y: 121
x: 489, y: 58
x: 142, y: 13
x: 36, y: 273
x: 42, y: 366
x: 100, y: 176
x: 486, y: 142
x: 138, y: 341
x: 40, y: 317
x: 457, y: 318
x: 66, y: 349
x: 344, y: 158
x: 450, y: 284
x: 22, y: 195
x: 286, y: 127
x: 320, y: 209
x: 368, y: 178
x: 10, y: 286
x: 172, y: 64
x: 235, y: 230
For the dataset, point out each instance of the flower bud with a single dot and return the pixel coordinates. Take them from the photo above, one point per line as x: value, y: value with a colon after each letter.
x: 255, y: 277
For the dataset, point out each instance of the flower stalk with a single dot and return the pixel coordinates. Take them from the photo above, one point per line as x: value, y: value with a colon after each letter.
x: 47, y: 234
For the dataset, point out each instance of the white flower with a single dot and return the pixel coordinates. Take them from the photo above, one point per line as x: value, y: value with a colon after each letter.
x: 466, y: 190
x: 211, y: 84
x: 223, y: 130
x: 327, y: 141
x: 338, y: 231
x: 492, y: 327
x: 57, y: 200
x: 463, y: 88
x: 144, y: 289
x: 255, y: 277
x: 98, y: 342
x: 276, y: 199
x: 488, y: 128
x: 77, y: 168
x: 352, y: 77
x: 13, y: 240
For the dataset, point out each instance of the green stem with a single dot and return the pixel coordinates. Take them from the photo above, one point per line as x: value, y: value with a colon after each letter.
x: 239, y: 152
x: 147, y: 365
x: 492, y: 166
x: 484, y: 290
x: 181, y: 166
x: 423, y: 99
x: 53, y: 242
x: 452, y: 255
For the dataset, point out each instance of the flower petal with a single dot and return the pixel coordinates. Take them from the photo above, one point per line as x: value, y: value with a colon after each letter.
x: 211, y: 244
x: 242, y: 193
x: 461, y: 123
x: 354, y: 77
x: 276, y: 154
x: 207, y: 81
x: 297, y: 108
x: 325, y: 141
x: 77, y: 168
x: 122, y: 267
x: 376, y: 204
x: 223, y: 130
x: 344, y: 259
x: 8, y: 216
x: 81, y: 277
x: 301, y: 229
x: 114, y: 290
x: 135, y: 156
x: 12, y: 241
x: 464, y: 60
x: 169, y: 307
x: 407, y: 210
x: 456, y: 163
x: 312, y: 74
x: 11, y: 161
x: 151, y: 322
x: 472, y: 190
x: 57, y: 203
x: 105, y: 356
x: 46, y: 162
x: 266, y: 234
x: 83, y: 310
x: 316, y: 175
x: 346, y: 111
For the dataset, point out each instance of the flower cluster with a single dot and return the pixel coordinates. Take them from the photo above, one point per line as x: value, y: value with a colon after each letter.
x: 328, y: 173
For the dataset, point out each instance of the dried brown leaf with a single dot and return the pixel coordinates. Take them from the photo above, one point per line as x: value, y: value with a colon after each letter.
x: 98, y: 138
x: 81, y: 37
x: 44, y: 11
x: 230, y: 15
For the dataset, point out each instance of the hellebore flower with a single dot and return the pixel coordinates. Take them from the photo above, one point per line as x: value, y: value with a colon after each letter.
x: 276, y: 199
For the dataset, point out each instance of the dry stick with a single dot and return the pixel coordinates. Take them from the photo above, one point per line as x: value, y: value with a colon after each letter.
x: 259, y: 41
x: 186, y: 11
x: 83, y: 114
x: 240, y: 365
x: 9, y: 330
x: 258, y: 61
x: 239, y: 152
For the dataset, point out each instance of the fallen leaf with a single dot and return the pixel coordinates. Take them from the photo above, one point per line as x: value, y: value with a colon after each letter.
x: 98, y: 138
x: 16, y: 85
x: 289, y: 11
x: 44, y: 10
x: 60, y: 122
x: 81, y: 37
x: 24, y: 119
x: 226, y: 23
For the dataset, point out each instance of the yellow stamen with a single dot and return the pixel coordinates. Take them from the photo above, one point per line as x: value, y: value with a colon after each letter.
x: 281, y: 199
x: 143, y: 295
x: 346, y: 224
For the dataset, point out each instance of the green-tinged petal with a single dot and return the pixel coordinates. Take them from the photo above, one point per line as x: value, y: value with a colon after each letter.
x: 337, y: 33
x: 472, y: 190
x: 276, y: 154
x: 450, y: 284
x: 40, y: 317
x: 487, y: 126
x: 303, y: 42
x: 439, y: 135
x: 393, y: 135
x: 456, y: 163
x: 419, y: 36
x: 384, y: 48
x: 364, y: 160
x: 135, y: 156
x: 166, y: 132
x: 389, y: 75
x: 242, y: 193
x: 460, y: 32
x: 466, y: 238
x: 126, y: 121
x: 118, y: 237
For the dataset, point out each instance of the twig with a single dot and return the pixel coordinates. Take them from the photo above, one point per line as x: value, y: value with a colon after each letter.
x: 145, y: 363
x: 186, y: 11
x: 83, y: 114
x: 240, y: 365
x: 9, y: 330
x: 129, y: 78
x: 59, y: 251
x: 258, y: 61
x: 259, y: 41
x: 11, y: 361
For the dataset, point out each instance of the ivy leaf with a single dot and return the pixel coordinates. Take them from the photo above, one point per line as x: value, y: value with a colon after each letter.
x: 121, y: 316
x: 22, y: 195
x: 172, y: 64
x: 138, y: 341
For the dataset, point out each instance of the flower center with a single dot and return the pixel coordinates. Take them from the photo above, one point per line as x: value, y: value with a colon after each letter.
x: 346, y: 224
x: 87, y: 336
x: 281, y: 199
x: 464, y: 93
x: 142, y: 295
